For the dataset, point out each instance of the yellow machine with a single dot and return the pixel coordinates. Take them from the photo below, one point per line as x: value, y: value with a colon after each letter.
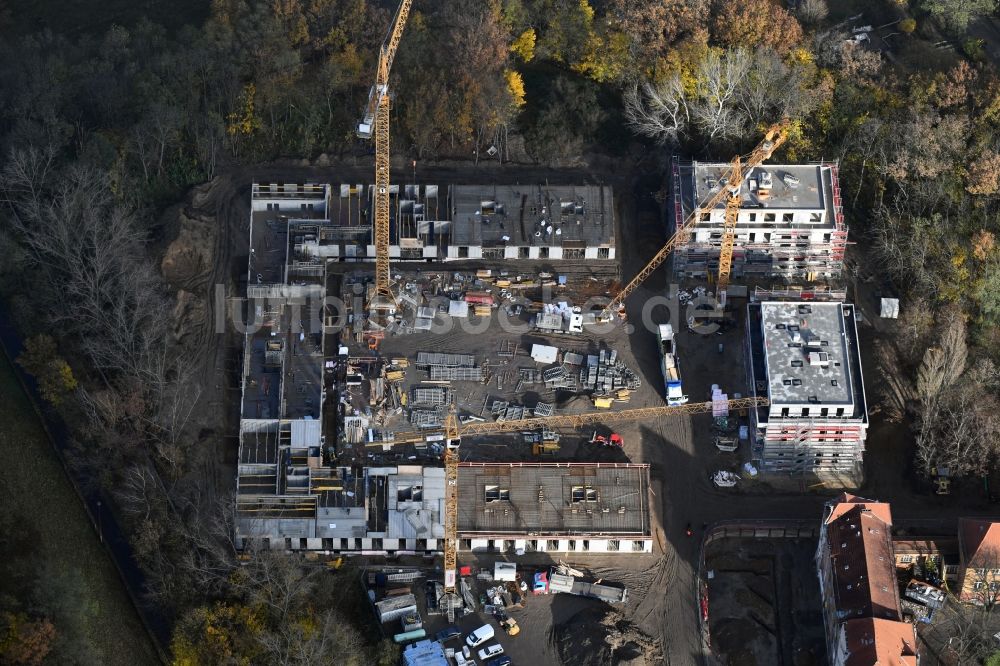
x: 738, y: 173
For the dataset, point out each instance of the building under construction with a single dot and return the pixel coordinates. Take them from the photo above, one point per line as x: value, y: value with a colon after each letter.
x: 455, y: 222
x: 530, y: 507
x: 290, y: 493
x: 554, y: 507
x: 790, y: 224
x: 804, y: 357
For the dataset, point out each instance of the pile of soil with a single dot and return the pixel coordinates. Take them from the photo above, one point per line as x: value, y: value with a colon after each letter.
x: 600, y: 637
x: 188, y: 259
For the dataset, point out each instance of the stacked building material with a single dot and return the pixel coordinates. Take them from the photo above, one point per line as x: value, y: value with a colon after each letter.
x: 455, y: 373
x: 425, y: 359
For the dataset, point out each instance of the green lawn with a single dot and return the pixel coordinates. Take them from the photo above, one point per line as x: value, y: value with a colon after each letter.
x: 50, y: 558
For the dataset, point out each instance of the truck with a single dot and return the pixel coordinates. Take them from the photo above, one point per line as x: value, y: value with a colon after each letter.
x: 668, y: 364
x: 612, y: 594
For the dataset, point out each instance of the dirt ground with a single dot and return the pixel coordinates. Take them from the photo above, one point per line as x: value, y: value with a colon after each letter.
x: 764, y: 602
x: 566, y: 629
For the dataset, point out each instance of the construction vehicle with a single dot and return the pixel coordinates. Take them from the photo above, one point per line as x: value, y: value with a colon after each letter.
x: 668, y: 365
x: 454, y: 432
x: 544, y: 443
x: 942, y: 480
x: 775, y: 135
x: 374, y: 339
x: 614, y: 440
x: 738, y: 173
x: 545, y: 449
x: 510, y: 627
x: 376, y: 121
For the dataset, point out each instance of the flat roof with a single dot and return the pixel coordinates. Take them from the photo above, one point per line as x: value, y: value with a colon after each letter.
x: 792, y: 333
x: 808, y: 194
x: 501, y: 215
x: 552, y: 499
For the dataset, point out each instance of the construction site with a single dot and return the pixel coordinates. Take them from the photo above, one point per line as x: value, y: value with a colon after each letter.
x: 468, y: 372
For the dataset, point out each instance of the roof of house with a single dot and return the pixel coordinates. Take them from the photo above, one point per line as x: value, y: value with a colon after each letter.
x: 979, y: 542
x: 874, y: 641
x: 861, y: 555
x: 808, y: 191
x: 846, y: 501
x: 807, y: 353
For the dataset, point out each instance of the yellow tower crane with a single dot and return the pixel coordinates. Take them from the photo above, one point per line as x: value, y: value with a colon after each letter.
x: 738, y: 173
x: 376, y: 120
x: 774, y: 137
x: 454, y: 432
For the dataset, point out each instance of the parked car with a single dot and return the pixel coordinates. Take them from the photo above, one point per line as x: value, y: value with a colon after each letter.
x: 499, y: 661
x: 491, y: 651
x: 448, y: 633
x: 480, y: 636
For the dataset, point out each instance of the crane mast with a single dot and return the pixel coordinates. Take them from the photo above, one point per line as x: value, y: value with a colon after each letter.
x: 774, y: 137
x: 454, y: 432
x: 376, y: 120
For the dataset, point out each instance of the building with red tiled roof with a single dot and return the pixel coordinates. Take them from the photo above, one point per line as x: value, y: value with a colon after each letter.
x: 857, y: 576
x: 876, y: 641
x: 979, y: 560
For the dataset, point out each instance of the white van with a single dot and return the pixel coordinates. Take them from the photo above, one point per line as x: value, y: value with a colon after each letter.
x: 491, y: 651
x: 479, y: 636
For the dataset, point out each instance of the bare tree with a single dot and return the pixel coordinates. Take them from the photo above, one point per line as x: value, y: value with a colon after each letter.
x: 659, y: 111
x: 944, y: 364
x: 906, y: 250
x: 719, y: 80
x: 90, y: 254
x: 732, y: 90
x: 984, y: 569
x: 959, y: 425
x: 812, y: 12
x: 913, y: 328
x: 961, y: 634
x: 331, y: 640
x: 960, y: 433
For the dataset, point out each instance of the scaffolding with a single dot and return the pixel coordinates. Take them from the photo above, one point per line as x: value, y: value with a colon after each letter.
x: 788, y: 251
x: 433, y: 396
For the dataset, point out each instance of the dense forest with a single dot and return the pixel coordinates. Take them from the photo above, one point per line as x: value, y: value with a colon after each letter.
x: 102, y: 126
